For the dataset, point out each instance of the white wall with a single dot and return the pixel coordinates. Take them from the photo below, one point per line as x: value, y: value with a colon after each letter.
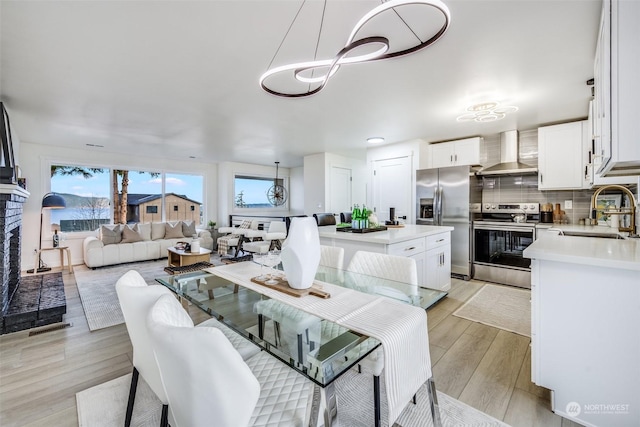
x: 296, y: 191
x: 36, y: 160
x: 314, y: 183
x: 411, y: 149
x: 317, y: 180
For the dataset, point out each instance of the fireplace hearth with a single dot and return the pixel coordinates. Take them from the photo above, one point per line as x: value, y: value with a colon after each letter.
x: 30, y: 301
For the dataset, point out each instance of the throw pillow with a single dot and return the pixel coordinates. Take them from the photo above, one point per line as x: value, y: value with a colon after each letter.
x: 144, y: 230
x: 173, y: 231
x: 189, y: 230
x: 130, y: 236
x: 109, y: 235
x: 157, y: 230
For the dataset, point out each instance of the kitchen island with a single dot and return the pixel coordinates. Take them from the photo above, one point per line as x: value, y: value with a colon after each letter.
x: 430, y: 246
x: 585, y: 341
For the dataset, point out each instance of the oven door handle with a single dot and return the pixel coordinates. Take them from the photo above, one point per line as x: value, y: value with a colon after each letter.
x: 505, y: 228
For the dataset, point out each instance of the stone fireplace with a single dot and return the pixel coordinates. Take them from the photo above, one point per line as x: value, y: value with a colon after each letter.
x: 30, y: 301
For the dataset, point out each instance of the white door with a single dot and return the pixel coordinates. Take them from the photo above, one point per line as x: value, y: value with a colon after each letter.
x: 340, y: 196
x: 392, y: 187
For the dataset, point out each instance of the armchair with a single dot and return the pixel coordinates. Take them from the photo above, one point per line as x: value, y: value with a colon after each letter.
x: 268, y: 240
x: 235, y: 237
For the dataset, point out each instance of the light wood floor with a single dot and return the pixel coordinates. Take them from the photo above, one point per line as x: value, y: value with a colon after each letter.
x: 485, y: 367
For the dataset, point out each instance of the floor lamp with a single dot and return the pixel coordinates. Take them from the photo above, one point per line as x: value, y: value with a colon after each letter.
x: 49, y: 201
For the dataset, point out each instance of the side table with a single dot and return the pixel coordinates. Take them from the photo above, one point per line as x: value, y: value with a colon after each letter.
x: 62, y: 250
x: 179, y: 258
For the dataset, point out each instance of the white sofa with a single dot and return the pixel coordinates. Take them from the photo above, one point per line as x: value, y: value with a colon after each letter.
x: 105, y: 249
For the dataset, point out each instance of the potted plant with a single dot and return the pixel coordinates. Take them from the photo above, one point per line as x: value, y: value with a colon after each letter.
x: 212, y: 224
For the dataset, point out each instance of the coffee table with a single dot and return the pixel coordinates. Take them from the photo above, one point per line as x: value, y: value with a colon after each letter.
x: 179, y: 258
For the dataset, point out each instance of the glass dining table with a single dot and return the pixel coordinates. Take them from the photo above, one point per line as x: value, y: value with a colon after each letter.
x: 323, y: 352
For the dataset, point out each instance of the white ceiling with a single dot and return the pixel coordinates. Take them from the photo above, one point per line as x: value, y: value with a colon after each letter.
x: 150, y: 76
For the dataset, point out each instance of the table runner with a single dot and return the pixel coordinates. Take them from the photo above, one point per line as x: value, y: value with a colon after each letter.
x: 401, y: 328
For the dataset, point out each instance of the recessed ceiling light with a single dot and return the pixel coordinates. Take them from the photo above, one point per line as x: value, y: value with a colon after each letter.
x: 375, y: 140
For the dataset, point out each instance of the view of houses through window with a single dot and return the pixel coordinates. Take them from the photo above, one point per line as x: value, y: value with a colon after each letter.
x: 96, y: 196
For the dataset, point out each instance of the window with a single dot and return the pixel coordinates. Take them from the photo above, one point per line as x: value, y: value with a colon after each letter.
x: 251, y: 192
x: 139, y: 198
x: 184, y: 194
x: 86, y: 194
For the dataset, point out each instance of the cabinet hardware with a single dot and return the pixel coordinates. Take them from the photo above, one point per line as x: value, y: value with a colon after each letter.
x: 410, y: 248
x: 541, y: 180
x: 456, y: 157
x: 439, y: 240
x: 451, y: 158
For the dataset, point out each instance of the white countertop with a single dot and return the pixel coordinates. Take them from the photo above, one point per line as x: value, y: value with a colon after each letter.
x: 391, y: 235
x: 595, y: 251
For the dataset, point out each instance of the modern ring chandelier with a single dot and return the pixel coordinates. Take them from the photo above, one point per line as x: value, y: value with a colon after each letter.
x: 304, y: 71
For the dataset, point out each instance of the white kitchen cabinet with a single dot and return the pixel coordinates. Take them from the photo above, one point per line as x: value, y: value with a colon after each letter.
x: 616, y: 84
x: 560, y: 160
x: 438, y: 264
x: 584, y: 317
x: 591, y: 177
x: 455, y: 153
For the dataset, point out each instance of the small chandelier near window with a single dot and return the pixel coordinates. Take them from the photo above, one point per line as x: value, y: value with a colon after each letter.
x: 313, y: 75
x: 277, y: 194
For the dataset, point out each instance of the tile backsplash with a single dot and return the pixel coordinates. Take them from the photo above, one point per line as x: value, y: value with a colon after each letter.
x: 524, y: 188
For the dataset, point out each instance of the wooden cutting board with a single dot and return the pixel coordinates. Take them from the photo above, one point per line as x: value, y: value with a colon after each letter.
x: 283, y: 286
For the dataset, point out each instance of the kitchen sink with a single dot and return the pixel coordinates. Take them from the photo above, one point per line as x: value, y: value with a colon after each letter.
x: 599, y: 235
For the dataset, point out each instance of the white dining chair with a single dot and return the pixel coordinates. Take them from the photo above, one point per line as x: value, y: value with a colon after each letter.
x: 302, y: 325
x: 332, y: 256
x: 226, y: 391
x: 136, y: 299
x: 389, y: 267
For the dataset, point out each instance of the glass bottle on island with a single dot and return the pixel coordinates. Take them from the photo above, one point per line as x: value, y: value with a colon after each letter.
x: 360, y: 217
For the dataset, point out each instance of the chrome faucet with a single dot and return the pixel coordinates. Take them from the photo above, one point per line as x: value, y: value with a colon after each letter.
x: 632, y: 209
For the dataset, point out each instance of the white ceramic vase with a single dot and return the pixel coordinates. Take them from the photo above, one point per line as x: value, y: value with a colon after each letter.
x: 301, y: 253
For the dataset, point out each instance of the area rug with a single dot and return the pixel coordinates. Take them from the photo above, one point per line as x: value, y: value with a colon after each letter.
x: 104, y: 406
x: 97, y: 289
x: 503, y: 307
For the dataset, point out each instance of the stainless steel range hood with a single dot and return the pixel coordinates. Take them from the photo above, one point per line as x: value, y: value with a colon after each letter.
x: 509, y: 164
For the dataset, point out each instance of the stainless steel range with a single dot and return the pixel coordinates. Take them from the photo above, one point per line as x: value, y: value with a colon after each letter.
x: 499, y: 237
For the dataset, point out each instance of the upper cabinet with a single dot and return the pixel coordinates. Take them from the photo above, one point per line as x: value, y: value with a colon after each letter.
x: 615, y: 108
x: 454, y: 153
x: 560, y: 163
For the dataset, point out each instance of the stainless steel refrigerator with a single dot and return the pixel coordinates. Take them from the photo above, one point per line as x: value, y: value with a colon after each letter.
x: 443, y: 197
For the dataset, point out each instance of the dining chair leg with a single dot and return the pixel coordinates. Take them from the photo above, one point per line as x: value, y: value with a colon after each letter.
x: 376, y: 399
x: 300, y: 348
x: 261, y: 326
x: 433, y: 402
x: 164, y: 420
x: 132, y: 397
x: 415, y: 400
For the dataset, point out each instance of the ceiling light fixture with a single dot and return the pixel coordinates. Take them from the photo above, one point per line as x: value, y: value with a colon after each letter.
x: 486, y: 112
x: 375, y: 140
x: 303, y: 72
